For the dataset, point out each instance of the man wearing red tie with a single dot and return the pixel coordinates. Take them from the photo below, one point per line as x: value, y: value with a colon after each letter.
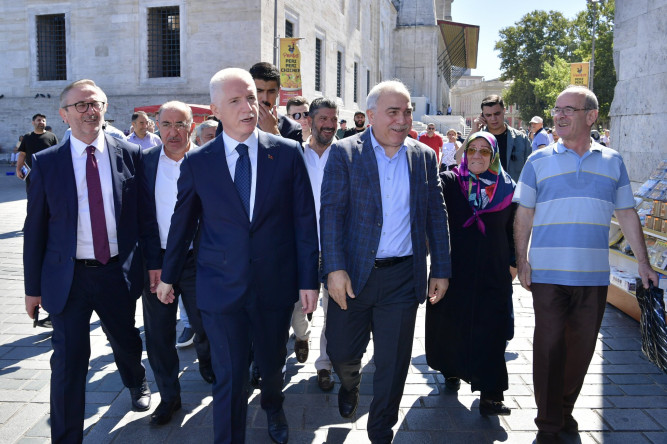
x: 87, y: 205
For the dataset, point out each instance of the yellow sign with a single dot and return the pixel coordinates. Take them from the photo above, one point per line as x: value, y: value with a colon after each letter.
x: 579, y: 74
x: 290, y: 70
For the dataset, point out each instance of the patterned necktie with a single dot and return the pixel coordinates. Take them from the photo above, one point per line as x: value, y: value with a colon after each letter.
x: 96, y: 207
x: 243, y: 176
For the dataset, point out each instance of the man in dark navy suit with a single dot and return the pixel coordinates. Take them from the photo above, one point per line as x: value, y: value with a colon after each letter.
x: 267, y: 81
x: 249, y: 194
x: 87, y: 208
x: 381, y: 200
x: 162, y: 165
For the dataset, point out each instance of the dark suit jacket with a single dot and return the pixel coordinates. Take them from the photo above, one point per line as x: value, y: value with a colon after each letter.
x: 49, y: 247
x: 240, y: 263
x: 289, y: 129
x: 351, y: 212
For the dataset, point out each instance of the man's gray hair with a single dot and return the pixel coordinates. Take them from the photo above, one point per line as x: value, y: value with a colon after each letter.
x: 590, y: 102
x: 68, y: 88
x: 220, y: 77
x: 395, y: 86
x: 205, y: 124
x: 178, y: 106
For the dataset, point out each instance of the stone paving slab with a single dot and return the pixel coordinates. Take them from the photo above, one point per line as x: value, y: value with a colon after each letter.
x: 624, y: 398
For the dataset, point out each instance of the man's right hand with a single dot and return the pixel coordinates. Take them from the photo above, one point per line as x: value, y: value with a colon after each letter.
x: 30, y: 303
x: 524, y: 271
x: 165, y: 293
x: 19, y: 173
x: 340, y: 286
x: 478, y: 123
x: 268, y: 119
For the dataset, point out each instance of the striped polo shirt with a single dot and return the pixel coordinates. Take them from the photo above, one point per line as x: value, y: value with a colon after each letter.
x: 573, y: 198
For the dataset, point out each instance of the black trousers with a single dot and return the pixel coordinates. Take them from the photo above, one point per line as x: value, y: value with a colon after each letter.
x: 160, y: 323
x: 386, y: 307
x: 102, y: 289
x: 230, y: 335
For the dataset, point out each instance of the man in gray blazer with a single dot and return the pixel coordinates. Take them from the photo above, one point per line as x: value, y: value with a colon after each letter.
x: 514, y: 146
x: 381, y: 199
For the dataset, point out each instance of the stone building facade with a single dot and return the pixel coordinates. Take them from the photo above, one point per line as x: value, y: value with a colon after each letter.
x: 638, y: 112
x: 145, y: 52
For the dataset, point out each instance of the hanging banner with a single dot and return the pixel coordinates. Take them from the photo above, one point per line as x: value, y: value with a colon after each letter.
x: 579, y: 74
x: 290, y: 70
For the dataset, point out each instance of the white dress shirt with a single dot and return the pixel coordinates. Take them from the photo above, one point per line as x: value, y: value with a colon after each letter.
x: 232, y: 156
x: 315, y: 166
x: 84, y: 232
x: 166, y: 191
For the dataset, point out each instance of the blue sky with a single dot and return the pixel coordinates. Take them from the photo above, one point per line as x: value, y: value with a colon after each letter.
x: 492, y: 15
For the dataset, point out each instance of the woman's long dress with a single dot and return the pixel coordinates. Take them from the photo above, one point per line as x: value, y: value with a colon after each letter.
x: 466, y: 332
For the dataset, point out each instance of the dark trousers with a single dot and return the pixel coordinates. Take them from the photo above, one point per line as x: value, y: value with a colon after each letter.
x: 102, y: 289
x: 387, y: 307
x: 567, y: 322
x: 160, y: 323
x: 230, y: 335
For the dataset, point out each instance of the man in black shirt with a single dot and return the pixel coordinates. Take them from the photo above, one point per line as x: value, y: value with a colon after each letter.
x: 513, y: 146
x: 359, y: 124
x: 34, y: 142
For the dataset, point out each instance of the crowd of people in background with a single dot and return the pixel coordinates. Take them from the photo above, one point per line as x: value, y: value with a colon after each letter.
x: 251, y: 219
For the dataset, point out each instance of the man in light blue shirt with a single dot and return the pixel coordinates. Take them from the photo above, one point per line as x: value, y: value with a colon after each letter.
x: 567, y: 193
x: 540, y: 136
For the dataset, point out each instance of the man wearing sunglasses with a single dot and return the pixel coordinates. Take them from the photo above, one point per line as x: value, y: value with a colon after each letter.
x: 87, y: 208
x: 297, y: 110
x: 567, y: 193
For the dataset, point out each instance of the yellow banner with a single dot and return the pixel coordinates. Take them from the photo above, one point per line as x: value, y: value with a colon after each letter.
x: 290, y: 69
x: 579, y: 74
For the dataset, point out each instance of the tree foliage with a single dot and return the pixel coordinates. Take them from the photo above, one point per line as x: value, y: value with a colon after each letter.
x: 535, y: 51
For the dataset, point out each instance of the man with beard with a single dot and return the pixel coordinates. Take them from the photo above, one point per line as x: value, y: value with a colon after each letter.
x: 322, y: 118
x: 33, y: 143
x: 359, y: 124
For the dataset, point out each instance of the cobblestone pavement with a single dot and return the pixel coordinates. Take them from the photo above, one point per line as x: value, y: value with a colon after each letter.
x: 624, y: 399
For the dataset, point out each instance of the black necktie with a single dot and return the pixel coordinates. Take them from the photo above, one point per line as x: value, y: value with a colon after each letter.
x: 243, y: 176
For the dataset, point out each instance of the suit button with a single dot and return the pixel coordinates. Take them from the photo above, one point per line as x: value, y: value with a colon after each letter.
x: 373, y: 251
x: 379, y: 224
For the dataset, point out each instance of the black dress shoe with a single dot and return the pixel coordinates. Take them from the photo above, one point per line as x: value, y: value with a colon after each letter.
x: 141, y: 397
x: 348, y: 402
x: 324, y: 380
x: 493, y: 408
x: 546, y: 438
x: 570, y: 425
x: 164, y: 411
x: 277, y: 426
x: 453, y: 384
x: 206, y: 372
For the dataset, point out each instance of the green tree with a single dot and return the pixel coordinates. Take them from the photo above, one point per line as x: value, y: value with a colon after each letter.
x: 554, y: 79
x: 541, y: 43
x: 536, y: 39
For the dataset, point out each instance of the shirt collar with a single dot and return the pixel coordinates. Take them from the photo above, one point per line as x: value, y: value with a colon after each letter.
x: 230, y: 144
x: 560, y: 148
x: 80, y: 147
x: 163, y: 155
x: 308, y: 149
x: 378, y: 147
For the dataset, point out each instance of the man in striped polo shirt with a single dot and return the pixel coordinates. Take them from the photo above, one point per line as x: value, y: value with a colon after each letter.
x: 567, y: 194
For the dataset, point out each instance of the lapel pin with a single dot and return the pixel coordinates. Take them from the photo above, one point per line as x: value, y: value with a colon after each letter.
x: 270, y: 156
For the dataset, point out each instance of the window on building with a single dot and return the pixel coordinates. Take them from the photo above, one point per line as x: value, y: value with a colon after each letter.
x: 368, y: 81
x: 51, y: 47
x: 339, y: 74
x: 164, y: 42
x: 355, y: 94
x: 289, y: 29
x: 318, y: 64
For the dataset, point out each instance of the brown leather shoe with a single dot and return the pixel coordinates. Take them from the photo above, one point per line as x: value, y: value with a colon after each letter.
x: 301, y: 350
x: 324, y: 380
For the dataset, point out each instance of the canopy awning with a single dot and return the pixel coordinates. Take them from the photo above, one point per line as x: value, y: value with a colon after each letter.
x: 460, y: 52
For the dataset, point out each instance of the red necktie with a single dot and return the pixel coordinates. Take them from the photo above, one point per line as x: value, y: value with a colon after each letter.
x: 96, y: 206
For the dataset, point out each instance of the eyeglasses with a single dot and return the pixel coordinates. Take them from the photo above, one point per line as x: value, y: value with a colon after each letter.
x: 82, y: 107
x: 179, y: 126
x: 430, y: 128
x: 297, y: 116
x: 568, y: 110
x: 484, y: 152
